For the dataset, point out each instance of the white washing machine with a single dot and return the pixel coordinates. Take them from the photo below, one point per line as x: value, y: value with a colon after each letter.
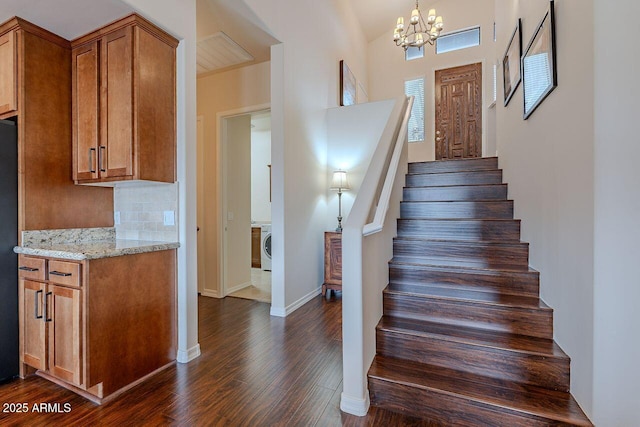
x: 265, y: 247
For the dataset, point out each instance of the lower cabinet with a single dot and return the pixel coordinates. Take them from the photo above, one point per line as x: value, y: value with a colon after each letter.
x: 97, y: 327
x: 52, y: 329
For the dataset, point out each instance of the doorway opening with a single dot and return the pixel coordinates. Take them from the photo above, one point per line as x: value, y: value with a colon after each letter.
x: 246, y: 205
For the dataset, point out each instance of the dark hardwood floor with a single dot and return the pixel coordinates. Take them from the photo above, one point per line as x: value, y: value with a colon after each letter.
x: 255, y: 370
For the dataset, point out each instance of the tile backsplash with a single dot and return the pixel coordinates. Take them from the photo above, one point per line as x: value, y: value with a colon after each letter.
x: 142, y: 210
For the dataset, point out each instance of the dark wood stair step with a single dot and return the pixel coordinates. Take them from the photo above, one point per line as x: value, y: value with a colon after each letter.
x: 455, y: 193
x: 483, y: 209
x: 461, y: 229
x: 453, y: 308
x: 480, y: 295
x: 412, y: 277
x: 455, y: 178
x: 492, y: 253
x: 456, y: 165
x: 499, y: 355
x: 461, y: 262
x: 454, y: 398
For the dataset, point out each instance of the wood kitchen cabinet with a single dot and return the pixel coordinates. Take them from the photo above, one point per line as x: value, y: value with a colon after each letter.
x: 256, y: 255
x: 35, y: 92
x: 124, y: 104
x: 99, y: 326
x: 8, y: 71
x: 50, y: 318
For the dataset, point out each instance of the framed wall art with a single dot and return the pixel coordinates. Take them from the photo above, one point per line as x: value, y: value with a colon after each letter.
x: 348, y: 85
x: 539, y: 64
x: 511, y: 72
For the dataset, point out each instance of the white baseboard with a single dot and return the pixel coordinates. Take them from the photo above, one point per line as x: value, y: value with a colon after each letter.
x: 354, y: 406
x: 284, y: 312
x: 238, y: 287
x: 186, y: 356
x: 209, y: 293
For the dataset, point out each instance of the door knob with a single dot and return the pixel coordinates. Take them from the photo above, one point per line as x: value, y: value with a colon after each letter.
x: 438, y: 132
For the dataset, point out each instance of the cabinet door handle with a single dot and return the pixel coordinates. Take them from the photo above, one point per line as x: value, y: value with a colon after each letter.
x: 25, y: 268
x: 92, y: 169
x: 59, y: 273
x: 46, y: 310
x: 101, y: 155
x: 35, y: 304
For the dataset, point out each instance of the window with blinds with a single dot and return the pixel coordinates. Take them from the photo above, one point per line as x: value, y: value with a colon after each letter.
x: 415, y: 129
x: 458, y: 40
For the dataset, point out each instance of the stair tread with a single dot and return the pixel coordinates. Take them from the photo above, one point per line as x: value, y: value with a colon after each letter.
x: 497, y: 298
x: 469, y: 335
x: 461, y: 267
x: 481, y: 171
x: 453, y: 262
x: 456, y: 185
x: 485, y: 298
x: 463, y: 242
x: 521, y: 398
x: 468, y: 159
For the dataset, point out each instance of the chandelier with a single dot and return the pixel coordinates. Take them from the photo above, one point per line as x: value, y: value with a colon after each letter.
x: 421, y: 32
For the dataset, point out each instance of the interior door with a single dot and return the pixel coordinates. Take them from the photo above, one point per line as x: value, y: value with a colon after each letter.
x: 458, y: 93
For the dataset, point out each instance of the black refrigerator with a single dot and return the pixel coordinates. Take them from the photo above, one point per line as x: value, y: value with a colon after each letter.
x: 9, y: 357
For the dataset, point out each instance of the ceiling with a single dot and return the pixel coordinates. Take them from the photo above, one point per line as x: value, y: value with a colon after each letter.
x: 378, y: 17
x: 73, y: 18
x: 229, y: 36
x: 69, y: 18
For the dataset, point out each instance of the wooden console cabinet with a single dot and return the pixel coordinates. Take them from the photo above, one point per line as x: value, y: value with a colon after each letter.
x: 332, y: 262
x: 100, y: 326
x: 124, y: 104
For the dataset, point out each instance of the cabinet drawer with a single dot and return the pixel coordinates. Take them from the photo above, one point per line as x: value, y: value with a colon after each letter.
x: 64, y: 273
x: 31, y: 268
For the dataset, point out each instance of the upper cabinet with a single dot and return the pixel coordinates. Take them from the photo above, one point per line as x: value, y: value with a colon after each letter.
x: 8, y: 71
x: 124, y: 104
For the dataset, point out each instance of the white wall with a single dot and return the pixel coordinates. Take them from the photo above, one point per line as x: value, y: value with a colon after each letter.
x: 351, y: 147
x: 388, y: 69
x: 260, y: 176
x: 315, y: 36
x: 617, y: 203
x: 548, y: 163
x: 179, y: 18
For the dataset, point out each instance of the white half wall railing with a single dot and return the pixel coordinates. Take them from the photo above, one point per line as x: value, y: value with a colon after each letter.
x: 367, y: 247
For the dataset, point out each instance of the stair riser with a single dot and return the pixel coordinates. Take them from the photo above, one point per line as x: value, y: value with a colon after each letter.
x: 410, y: 278
x: 461, y: 210
x: 526, y: 368
x: 446, y: 409
x: 460, y: 229
x: 513, y: 254
x: 473, y: 192
x: 454, y: 165
x: 517, y: 320
x: 459, y: 178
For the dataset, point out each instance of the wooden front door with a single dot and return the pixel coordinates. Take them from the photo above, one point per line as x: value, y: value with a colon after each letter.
x: 459, y: 112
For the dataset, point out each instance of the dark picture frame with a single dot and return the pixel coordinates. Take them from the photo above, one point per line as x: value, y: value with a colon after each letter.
x: 511, y: 65
x: 539, y: 71
x: 348, y: 85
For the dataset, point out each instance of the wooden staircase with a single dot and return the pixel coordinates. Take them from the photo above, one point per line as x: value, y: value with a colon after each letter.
x: 465, y: 339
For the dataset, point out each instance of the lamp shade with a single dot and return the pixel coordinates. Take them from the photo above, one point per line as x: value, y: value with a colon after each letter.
x: 339, y: 181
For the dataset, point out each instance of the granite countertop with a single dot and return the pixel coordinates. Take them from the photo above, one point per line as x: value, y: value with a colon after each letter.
x: 85, y: 244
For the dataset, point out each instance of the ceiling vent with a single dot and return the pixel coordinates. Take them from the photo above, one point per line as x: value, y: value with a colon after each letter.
x: 219, y: 51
